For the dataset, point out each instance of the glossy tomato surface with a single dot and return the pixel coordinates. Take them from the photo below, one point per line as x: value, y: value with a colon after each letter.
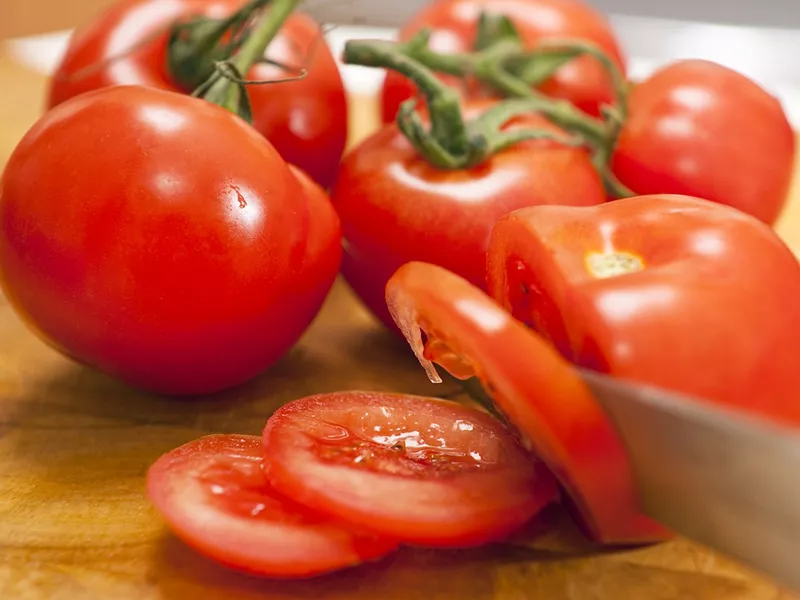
x: 701, y: 129
x: 420, y: 470
x: 323, y: 256
x: 213, y: 495
x: 448, y: 321
x: 395, y: 207
x: 673, y: 291
x: 306, y: 119
x: 583, y: 81
x: 158, y: 238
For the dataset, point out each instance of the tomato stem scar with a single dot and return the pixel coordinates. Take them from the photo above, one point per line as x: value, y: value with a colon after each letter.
x: 603, y: 265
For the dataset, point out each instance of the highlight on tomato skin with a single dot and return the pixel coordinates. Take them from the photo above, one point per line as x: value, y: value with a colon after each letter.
x: 448, y: 321
x: 424, y: 471
x: 213, y: 495
x: 672, y: 291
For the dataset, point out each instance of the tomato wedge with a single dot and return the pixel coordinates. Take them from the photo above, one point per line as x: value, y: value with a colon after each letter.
x: 671, y: 291
x: 541, y: 394
x: 424, y: 471
x: 213, y: 494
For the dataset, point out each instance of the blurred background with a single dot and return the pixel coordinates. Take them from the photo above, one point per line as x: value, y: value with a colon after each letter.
x: 759, y: 38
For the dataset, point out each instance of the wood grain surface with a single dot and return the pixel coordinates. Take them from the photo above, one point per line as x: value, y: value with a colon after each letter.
x: 75, y: 446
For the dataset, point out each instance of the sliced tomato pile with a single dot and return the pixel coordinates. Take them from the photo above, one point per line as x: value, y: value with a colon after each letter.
x: 343, y: 478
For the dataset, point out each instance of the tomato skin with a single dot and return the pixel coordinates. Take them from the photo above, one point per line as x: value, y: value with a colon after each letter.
x: 535, y: 388
x: 583, y: 81
x: 306, y: 119
x: 705, y: 313
x: 697, y: 128
x: 213, y: 494
x: 164, y: 249
x: 395, y: 207
x: 323, y: 252
x: 421, y: 470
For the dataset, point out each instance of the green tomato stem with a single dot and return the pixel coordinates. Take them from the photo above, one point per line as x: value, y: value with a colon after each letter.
x: 447, y: 142
x: 452, y: 142
x: 500, y: 62
x: 226, y: 86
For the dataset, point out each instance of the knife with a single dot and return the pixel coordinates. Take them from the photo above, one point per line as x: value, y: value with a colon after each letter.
x: 722, y: 478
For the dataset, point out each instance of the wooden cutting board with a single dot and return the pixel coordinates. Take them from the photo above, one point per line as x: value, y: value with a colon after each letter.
x: 75, y: 445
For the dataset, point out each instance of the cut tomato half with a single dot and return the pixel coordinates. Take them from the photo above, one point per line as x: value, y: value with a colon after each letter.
x: 213, y: 494
x: 421, y: 470
x: 670, y: 291
x: 447, y: 320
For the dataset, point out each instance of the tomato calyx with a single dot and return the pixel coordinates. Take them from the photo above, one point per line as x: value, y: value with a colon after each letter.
x: 210, y: 56
x: 452, y: 142
x: 499, y: 62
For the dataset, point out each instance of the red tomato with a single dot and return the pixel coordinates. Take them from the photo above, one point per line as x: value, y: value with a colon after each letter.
x: 700, y: 129
x: 213, y: 494
x: 451, y: 322
x: 420, y: 470
x: 395, y: 207
x: 583, y: 81
x: 306, y: 120
x: 323, y: 252
x: 158, y: 238
x: 673, y: 291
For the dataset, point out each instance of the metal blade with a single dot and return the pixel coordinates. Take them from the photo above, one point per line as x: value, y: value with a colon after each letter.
x: 363, y: 12
x: 718, y: 477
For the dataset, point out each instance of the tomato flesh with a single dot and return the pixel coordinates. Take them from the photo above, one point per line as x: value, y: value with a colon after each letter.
x: 213, y: 494
x: 420, y: 470
x: 539, y: 392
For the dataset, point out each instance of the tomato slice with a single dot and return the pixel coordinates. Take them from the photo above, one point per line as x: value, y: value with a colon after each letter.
x: 468, y: 333
x: 421, y: 470
x: 213, y: 494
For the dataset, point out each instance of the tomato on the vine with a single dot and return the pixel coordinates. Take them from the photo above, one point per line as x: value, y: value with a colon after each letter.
x: 395, y: 207
x: 673, y: 291
x: 421, y: 470
x: 451, y: 322
x: 213, y: 494
x: 160, y: 239
x: 582, y: 81
x: 701, y: 129
x: 305, y: 119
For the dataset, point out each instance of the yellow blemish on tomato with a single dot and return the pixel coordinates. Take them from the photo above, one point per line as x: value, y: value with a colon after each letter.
x: 612, y: 264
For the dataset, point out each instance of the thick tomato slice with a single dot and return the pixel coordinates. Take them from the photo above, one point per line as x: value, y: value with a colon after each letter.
x: 671, y: 291
x: 451, y: 322
x: 421, y: 470
x: 213, y: 494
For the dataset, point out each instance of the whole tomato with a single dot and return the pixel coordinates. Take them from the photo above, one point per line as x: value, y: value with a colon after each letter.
x: 673, y: 291
x: 395, y: 207
x: 305, y: 119
x: 701, y: 129
x: 582, y: 81
x: 170, y: 246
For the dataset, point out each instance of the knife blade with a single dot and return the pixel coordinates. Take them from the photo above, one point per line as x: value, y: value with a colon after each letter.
x: 727, y: 480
